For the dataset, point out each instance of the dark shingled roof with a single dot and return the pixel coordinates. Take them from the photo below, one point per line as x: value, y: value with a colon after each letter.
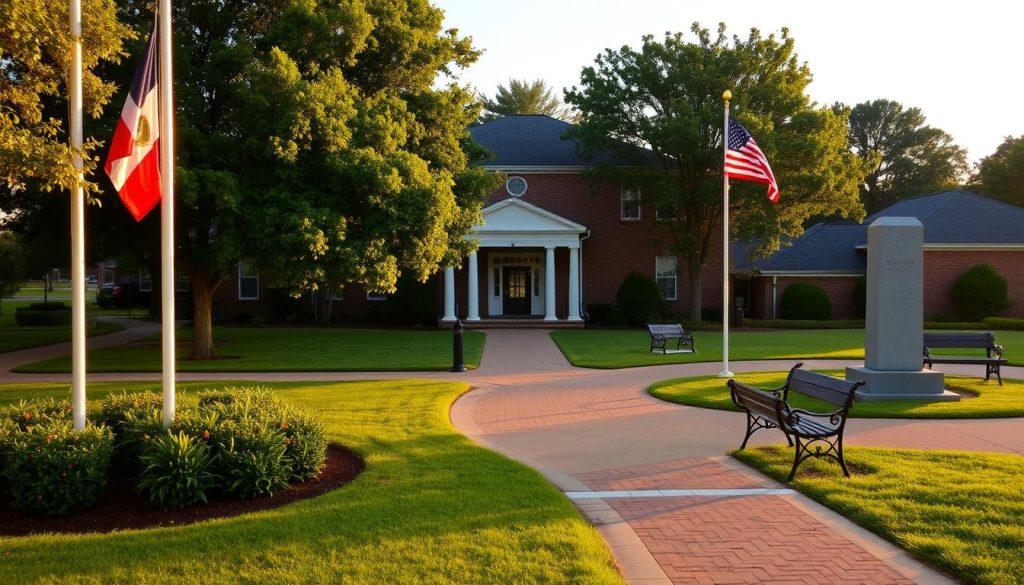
x: 949, y: 217
x: 538, y: 140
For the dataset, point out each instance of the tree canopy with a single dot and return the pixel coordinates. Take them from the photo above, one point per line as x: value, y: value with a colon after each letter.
x: 523, y: 97
x: 1001, y: 174
x: 313, y: 144
x: 667, y: 97
x: 35, y: 60
x: 904, y: 155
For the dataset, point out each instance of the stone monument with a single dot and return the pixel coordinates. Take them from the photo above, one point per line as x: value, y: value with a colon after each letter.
x: 894, y: 328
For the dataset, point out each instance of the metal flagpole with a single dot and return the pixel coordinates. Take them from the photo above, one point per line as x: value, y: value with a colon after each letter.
x: 167, y: 281
x: 77, y: 224
x: 725, y: 373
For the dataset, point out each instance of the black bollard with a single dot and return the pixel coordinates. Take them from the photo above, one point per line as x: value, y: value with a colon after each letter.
x: 458, y: 362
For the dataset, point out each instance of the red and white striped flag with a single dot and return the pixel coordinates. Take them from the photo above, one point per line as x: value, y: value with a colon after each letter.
x: 745, y: 161
x: 133, y: 163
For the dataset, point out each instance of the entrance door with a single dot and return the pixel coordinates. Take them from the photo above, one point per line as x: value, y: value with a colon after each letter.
x: 516, y: 290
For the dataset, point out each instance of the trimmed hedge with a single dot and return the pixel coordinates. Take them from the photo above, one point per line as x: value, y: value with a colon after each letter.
x: 1005, y: 323
x: 640, y: 299
x: 802, y: 301
x: 28, y: 317
x: 980, y: 292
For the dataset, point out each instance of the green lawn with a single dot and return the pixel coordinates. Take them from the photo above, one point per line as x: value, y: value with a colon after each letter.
x: 431, y: 507
x: 624, y: 348
x: 960, y: 512
x: 13, y: 337
x: 290, y: 349
x: 991, y: 400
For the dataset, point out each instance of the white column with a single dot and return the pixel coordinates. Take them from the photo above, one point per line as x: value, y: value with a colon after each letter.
x: 449, y: 295
x: 574, y: 284
x: 77, y: 226
x: 473, y: 302
x: 167, y: 212
x: 549, y: 285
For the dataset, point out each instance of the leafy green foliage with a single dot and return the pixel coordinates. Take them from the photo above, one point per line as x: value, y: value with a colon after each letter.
x: 176, y: 471
x: 26, y: 317
x: 1001, y: 174
x: 666, y: 96
x: 52, y: 468
x: 1005, y: 323
x: 980, y: 292
x: 640, y: 299
x: 905, y: 156
x: 29, y: 413
x: 34, y: 59
x: 803, y: 300
x: 523, y: 97
x: 12, y: 264
x: 252, y: 459
x: 860, y: 295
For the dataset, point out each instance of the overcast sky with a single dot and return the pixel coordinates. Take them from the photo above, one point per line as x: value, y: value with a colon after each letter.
x: 959, y: 62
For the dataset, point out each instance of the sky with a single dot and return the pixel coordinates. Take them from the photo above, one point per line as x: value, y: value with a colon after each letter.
x: 960, y: 63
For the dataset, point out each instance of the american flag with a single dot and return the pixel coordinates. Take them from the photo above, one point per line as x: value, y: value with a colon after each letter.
x: 745, y: 161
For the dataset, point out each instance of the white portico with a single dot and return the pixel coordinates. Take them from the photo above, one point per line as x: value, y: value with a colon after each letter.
x: 519, y: 241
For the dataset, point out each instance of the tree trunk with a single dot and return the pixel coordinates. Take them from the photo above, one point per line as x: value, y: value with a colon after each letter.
x: 324, y: 305
x: 204, y: 286
x: 693, y: 272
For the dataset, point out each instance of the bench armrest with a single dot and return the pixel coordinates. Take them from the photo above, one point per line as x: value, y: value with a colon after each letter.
x: 834, y: 419
x: 997, y: 351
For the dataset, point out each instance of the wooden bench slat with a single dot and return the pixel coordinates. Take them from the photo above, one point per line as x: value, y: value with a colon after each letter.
x: 992, y: 360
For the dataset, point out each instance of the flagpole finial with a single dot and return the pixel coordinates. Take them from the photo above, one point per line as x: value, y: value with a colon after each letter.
x: 727, y: 95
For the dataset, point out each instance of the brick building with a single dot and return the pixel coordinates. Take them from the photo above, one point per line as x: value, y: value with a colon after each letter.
x: 961, y: 229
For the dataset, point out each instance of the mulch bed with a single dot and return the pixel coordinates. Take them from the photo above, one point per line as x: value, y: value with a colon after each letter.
x: 122, y: 509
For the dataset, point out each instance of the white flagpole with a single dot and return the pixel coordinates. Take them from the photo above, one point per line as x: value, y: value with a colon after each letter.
x: 77, y: 224
x: 167, y: 281
x: 725, y: 373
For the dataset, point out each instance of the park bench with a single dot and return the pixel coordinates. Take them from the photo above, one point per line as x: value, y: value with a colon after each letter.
x: 661, y: 334
x: 966, y: 340
x: 769, y: 409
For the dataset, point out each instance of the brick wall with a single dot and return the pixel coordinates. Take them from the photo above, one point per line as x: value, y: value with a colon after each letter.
x: 838, y: 288
x: 941, y: 268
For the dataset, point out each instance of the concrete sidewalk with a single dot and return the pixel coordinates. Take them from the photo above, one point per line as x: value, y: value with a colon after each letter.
x: 652, y: 476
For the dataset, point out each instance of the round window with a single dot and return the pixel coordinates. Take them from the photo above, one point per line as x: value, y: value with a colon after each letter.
x: 515, y: 186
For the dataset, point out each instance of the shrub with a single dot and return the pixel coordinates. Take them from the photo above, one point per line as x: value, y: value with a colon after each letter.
x: 860, y: 296
x: 53, y: 468
x: 26, y: 317
x: 980, y: 292
x: 306, y: 443
x: 251, y: 459
x: 1005, y: 323
x: 176, y: 471
x: 49, y: 306
x: 115, y: 409
x: 29, y: 413
x: 597, y: 313
x: 137, y: 430
x: 640, y: 299
x: 713, y: 314
x: 804, y: 301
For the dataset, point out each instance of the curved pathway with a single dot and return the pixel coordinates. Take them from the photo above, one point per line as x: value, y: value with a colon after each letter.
x: 653, y: 476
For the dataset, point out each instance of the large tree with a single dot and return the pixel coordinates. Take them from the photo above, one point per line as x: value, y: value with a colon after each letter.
x: 12, y: 266
x: 1001, y: 174
x: 666, y: 99
x: 313, y: 143
x: 523, y: 97
x: 905, y: 156
x: 35, y: 61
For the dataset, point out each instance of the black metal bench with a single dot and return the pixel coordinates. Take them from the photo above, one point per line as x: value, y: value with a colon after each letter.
x: 661, y: 334
x: 966, y: 340
x: 770, y: 410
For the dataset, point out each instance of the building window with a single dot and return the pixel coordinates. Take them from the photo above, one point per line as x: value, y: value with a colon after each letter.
x: 497, y: 282
x: 248, y: 282
x: 145, y: 281
x: 376, y: 296
x: 337, y: 293
x: 630, y: 200
x: 516, y: 186
x: 664, y: 214
x: 665, y: 275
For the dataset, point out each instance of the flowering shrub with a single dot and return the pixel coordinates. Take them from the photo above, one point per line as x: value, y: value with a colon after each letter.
x: 52, y: 468
x: 176, y: 470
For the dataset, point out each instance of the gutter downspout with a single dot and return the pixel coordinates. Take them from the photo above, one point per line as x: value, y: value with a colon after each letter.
x: 775, y: 288
x: 582, y: 303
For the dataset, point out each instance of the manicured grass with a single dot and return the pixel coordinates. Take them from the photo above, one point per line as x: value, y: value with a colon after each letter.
x: 13, y: 337
x: 431, y: 507
x: 290, y: 349
x: 991, y: 400
x: 624, y: 348
x: 960, y: 512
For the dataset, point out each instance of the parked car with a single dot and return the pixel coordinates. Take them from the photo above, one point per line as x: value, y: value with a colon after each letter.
x: 122, y: 295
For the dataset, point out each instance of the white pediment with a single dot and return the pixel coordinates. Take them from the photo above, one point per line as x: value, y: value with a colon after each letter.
x: 517, y: 216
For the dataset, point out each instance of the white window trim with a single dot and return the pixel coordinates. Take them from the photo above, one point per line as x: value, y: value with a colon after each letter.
x: 675, y: 277
x: 142, y: 280
x: 526, y: 185
x: 622, y: 204
x: 257, y: 277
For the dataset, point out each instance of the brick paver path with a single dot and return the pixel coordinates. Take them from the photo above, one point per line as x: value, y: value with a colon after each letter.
x: 599, y: 430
